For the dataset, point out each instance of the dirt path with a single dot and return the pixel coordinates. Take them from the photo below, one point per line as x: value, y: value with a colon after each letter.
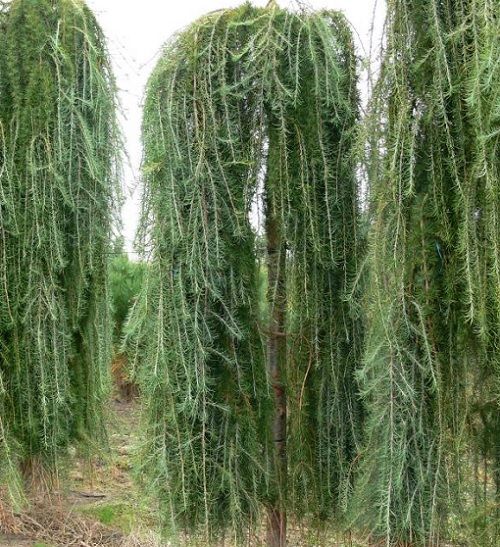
x: 100, y: 505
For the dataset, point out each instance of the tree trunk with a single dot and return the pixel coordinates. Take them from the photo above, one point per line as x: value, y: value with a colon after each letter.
x: 276, y: 365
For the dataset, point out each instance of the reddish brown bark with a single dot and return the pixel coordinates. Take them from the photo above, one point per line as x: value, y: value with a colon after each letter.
x: 276, y: 363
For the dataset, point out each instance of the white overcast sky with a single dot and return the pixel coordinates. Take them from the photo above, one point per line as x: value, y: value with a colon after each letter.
x: 136, y: 31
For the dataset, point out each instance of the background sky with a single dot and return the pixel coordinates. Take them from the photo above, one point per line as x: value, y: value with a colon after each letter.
x: 136, y: 31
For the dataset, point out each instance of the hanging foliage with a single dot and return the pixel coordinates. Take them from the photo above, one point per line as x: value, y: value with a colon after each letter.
x: 8, y: 475
x: 312, y: 180
x: 249, y: 106
x: 57, y: 178
x: 201, y: 357
x: 433, y: 295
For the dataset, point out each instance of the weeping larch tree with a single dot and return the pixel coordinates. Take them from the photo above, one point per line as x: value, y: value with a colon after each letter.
x: 431, y: 370
x: 250, y: 110
x: 58, y: 165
